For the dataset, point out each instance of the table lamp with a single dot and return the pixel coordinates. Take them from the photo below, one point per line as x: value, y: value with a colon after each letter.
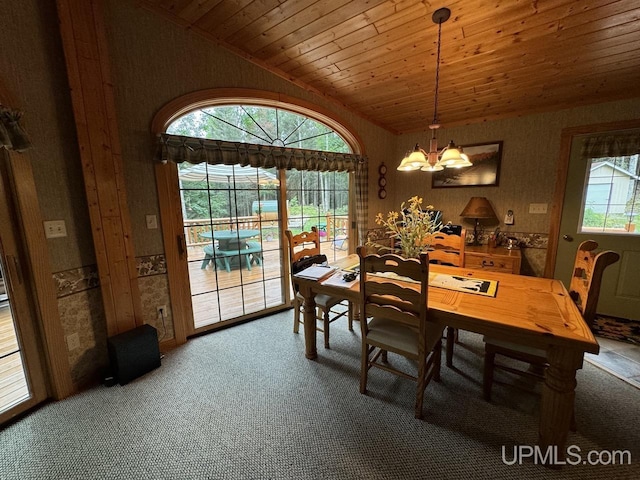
x: 478, y: 208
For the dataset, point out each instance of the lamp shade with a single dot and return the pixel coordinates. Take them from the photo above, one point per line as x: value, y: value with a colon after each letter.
x: 405, y: 165
x: 452, y: 157
x: 478, y: 207
x: 414, y: 161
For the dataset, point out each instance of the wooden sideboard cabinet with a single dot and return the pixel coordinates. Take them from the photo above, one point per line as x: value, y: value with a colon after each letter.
x: 499, y: 259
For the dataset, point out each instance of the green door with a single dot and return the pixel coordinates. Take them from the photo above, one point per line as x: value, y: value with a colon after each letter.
x: 620, y: 291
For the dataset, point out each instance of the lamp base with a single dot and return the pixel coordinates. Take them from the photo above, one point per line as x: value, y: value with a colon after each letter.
x: 476, y: 240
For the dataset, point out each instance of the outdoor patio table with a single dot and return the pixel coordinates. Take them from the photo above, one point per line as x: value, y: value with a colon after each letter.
x: 231, y: 239
x: 231, y: 245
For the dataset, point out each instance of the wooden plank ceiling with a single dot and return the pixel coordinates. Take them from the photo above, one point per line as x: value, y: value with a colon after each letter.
x: 499, y: 59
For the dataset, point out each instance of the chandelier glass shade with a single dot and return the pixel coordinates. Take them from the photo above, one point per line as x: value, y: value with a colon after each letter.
x: 450, y: 156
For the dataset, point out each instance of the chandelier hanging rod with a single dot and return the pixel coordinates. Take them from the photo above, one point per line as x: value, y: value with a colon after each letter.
x: 450, y: 156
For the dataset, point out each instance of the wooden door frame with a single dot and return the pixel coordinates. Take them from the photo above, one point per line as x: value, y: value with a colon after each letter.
x: 36, y: 263
x: 17, y: 276
x: 566, y: 139
x: 175, y: 249
x: 84, y: 42
x: 45, y: 299
x: 176, y: 257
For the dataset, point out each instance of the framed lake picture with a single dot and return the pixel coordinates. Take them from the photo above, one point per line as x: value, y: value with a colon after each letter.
x: 485, y: 170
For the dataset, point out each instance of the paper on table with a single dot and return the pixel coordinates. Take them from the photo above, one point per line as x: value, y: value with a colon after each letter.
x: 315, y: 272
x: 460, y: 283
x: 336, y: 280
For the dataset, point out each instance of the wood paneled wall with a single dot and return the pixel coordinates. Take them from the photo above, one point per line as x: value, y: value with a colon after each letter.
x: 86, y: 53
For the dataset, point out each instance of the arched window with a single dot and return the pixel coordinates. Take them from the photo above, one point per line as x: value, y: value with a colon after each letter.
x: 238, y: 158
x: 261, y: 125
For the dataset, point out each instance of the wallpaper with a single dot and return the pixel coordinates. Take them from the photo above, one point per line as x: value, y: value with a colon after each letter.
x: 81, y: 313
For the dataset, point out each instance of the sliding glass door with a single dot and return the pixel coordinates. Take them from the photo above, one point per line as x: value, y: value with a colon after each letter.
x: 232, y: 221
x: 233, y: 225
x: 13, y: 379
x: 22, y: 383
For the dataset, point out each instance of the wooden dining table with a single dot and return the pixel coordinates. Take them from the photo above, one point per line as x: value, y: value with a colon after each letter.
x: 530, y: 311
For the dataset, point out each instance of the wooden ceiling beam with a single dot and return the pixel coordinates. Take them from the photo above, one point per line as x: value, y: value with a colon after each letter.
x: 85, y: 48
x: 493, y: 105
x: 451, y: 107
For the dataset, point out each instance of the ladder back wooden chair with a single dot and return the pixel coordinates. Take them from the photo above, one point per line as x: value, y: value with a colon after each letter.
x: 584, y: 289
x: 394, y: 319
x: 586, y: 278
x: 307, y: 244
x: 448, y: 249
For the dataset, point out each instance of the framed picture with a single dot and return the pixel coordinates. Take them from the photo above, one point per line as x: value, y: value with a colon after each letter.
x: 484, y: 172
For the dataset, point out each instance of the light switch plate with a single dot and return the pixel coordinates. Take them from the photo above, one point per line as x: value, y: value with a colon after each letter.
x: 538, y: 208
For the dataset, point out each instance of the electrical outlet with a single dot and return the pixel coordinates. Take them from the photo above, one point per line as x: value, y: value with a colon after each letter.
x: 152, y: 222
x: 508, y: 218
x: 73, y: 341
x: 537, y: 208
x: 55, y: 229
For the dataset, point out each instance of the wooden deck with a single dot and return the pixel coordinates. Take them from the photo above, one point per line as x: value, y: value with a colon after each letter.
x: 13, y: 383
x: 218, y: 295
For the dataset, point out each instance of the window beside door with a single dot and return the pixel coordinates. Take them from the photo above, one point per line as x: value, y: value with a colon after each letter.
x: 611, y: 202
x: 320, y: 199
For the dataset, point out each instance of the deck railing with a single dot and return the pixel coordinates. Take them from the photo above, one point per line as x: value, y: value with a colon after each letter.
x: 337, y: 225
x: 193, y: 228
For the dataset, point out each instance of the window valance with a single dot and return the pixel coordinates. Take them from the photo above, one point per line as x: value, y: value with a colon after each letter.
x: 12, y: 136
x: 181, y: 149
x: 613, y: 145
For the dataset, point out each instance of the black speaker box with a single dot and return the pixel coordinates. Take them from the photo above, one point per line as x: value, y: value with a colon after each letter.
x: 133, y: 353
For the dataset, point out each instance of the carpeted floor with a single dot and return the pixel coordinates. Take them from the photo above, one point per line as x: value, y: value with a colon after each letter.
x: 244, y: 403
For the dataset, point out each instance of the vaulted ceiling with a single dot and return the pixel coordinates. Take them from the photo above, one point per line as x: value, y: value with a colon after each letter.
x: 499, y: 58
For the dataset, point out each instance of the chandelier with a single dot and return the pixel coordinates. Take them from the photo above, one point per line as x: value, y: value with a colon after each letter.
x: 450, y: 156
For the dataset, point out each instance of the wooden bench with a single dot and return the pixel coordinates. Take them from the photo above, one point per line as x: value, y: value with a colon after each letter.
x: 255, y: 250
x: 251, y: 254
x: 208, y: 255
